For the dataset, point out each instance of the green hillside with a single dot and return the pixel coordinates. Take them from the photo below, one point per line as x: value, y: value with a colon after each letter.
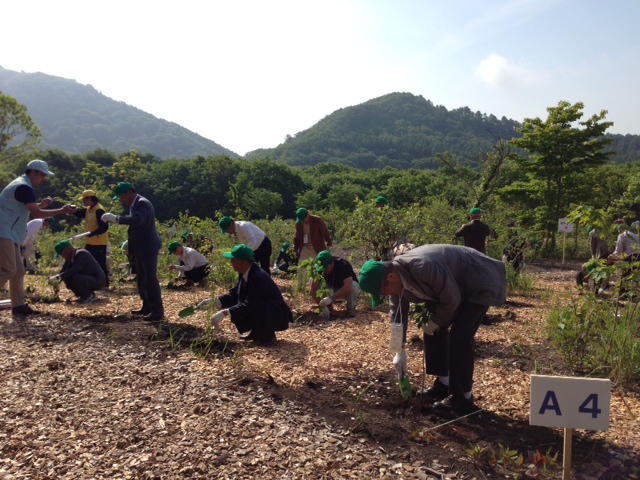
x: 77, y: 118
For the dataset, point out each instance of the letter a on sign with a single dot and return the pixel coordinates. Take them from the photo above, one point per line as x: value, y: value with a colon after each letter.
x: 550, y: 402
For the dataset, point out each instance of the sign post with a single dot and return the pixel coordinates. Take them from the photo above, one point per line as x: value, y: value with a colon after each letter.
x: 570, y: 402
x: 564, y: 228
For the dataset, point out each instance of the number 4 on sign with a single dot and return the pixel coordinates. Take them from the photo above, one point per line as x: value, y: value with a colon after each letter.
x: 570, y: 403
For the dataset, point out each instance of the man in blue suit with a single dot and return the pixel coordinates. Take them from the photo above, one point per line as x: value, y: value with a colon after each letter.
x: 144, y: 243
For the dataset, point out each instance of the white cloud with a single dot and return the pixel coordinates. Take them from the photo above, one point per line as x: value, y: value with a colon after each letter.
x: 497, y: 72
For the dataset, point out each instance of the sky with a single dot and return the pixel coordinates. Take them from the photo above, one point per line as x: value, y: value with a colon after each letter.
x: 247, y: 73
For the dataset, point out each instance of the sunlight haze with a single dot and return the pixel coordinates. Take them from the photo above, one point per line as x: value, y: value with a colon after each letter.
x: 246, y: 74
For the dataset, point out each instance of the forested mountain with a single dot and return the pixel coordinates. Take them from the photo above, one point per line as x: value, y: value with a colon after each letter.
x: 77, y: 118
x: 403, y: 131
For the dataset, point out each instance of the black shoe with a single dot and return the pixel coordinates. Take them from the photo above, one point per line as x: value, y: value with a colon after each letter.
x: 437, y: 391
x: 248, y: 336
x: 153, y: 318
x: 24, y: 310
x: 140, y: 311
x: 457, y: 404
x: 265, y: 341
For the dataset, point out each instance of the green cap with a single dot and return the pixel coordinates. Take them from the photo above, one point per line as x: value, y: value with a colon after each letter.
x: 475, y: 211
x: 173, y: 246
x: 382, y: 200
x: 185, y: 234
x: 225, y: 223
x: 240, y: 252
x: 301, y: 214
x: 589, y: 228
x: 285, y: 246
x: 622, y: 226
x: 122, y: 187
x: 61, y: 246
x: 371, y: 276
x: 324, y: 259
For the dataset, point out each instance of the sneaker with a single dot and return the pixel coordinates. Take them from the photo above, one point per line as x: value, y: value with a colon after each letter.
x: 437, y: 391
x: 24, y: 310
x: 457, y: 404
x: 90, y: 299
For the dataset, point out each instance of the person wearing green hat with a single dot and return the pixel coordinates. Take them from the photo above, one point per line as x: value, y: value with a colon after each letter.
x: 341, y: 281
x: 475, y: 232
x: 381, y: 202
x: 80, y: 272
x: 255, y: 304
x: 30, y: 252
x: 312, y: 235
x: 144, y: 243
x: 599, y: 250
x: 462, y: 283
x: 194, y: 266
x: 98, y: 238
x: 248, y: 234
x: 17, y: 203
x: 627, y: 244
x: 284, y: 260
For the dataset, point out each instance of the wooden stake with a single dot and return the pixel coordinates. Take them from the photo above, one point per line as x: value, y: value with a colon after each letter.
x: 566, y: 454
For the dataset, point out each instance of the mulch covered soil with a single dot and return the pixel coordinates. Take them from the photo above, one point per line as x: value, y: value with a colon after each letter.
x: 90, y: 392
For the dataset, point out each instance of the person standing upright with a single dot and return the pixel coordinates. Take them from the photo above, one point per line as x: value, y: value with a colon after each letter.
x: 17, y: 201
x: 144, y: 243
x: 312, y: 235
x: 98, y: 239
x: 475, y: 232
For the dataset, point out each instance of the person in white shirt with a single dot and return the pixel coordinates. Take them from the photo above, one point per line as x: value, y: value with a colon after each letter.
x: 193, y: 265
x: 250, y: 235
x: 627, y: 243
x: 30, y: 253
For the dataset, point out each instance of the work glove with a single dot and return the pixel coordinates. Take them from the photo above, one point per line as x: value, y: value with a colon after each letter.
x: 216, y: 320
x: 204, y: 304
x: 109, y: 217
x: 54, y: 281
x: 430, y: 327
x: 400, y: 362
x: 326, y: 313
x: 325, y: 302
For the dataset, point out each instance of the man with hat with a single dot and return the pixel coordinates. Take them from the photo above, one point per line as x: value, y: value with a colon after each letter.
x: 341, y: 281
x: 475, y: 232
x: 17, y: 202
x: 312, y: 235
x: 80, y: 272
x: 29, y: 248
x: 98, y: 238
x: 462, y: 283
x: 193, y: 265
x: 284, y: 260
x: 255, y: 304
x: 143, y: 243
x: 248, y: 234
x: 627, y: 244
x: 381, y: 202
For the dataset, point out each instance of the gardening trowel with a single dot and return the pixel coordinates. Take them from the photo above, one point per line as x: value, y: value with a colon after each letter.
x: 187, y: 312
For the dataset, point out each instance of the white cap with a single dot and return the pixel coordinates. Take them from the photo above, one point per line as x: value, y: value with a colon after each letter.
x: 39, y: 165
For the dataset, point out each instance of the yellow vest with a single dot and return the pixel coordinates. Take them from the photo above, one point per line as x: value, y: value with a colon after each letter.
x: 91, y: 224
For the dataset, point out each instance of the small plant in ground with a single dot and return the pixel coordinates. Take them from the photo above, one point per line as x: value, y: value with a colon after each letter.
x: 507, y: 461
x: 521, y: 283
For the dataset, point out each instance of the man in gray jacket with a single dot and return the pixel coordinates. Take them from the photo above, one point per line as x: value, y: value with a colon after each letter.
x: 144, y: 243
x: 462, y: 283
x: 81, y: 273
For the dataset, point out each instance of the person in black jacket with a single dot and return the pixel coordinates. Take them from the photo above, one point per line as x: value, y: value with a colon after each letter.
x: 255, y: 304
x: 475, y: 232
x: 81, y: 273
x: 143, y: 243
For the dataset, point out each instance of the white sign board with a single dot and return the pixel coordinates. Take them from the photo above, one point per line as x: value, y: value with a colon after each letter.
x: 564, y: 227
x: 570, y: 402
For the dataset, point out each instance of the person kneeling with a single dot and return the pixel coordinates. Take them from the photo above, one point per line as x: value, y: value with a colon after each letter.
x: 194, y: 266
x: 255, y: 304
x: 80, y: 273
x: 341, y: 281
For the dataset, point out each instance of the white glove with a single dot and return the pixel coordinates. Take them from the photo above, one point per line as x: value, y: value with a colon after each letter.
x: 55, y: 280
x: 325, y: 312
x: 429, y: 328
x: 218, y: 302
x: 216, y: 320
x: 109, y: 217
x: 400, y: 362
x: 325, y: 302
x: 203, y: 304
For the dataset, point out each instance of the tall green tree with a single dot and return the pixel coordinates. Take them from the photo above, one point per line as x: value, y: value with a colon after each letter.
x: 559, y: 148
x: 16, y: 124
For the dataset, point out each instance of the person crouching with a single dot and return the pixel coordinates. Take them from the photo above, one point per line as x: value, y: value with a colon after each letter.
x: 194, y: 266
x: 80, y: 273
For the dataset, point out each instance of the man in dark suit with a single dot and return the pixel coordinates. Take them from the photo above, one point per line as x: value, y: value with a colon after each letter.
x: 255, y: 303
x: 475, y: 232
x: 144, y: 243
x: 81, y: 272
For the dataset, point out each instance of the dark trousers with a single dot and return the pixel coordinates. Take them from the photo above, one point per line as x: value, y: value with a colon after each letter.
x: 84, y: 285
x: 262, y: 255
x: 146, y: 268
x: 99, y: 252
x: 197, y: 274
x: 449, y: 351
